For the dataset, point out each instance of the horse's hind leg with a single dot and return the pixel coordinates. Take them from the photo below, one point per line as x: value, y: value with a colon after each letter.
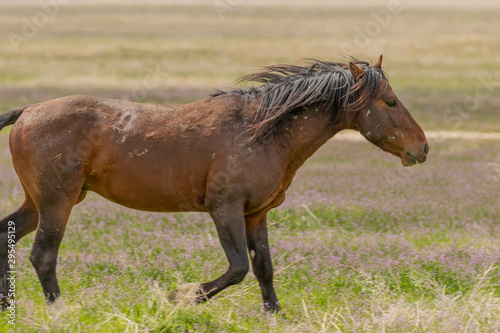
x: 53, y: 220
x: 12, y: 228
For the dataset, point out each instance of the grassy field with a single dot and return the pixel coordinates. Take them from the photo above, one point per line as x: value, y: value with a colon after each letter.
x: 360, y: 245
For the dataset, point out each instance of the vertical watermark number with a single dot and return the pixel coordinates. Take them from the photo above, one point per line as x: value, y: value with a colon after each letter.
x: 11, y: 272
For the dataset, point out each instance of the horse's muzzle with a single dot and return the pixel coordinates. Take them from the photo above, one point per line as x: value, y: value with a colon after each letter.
x: 412, y: 159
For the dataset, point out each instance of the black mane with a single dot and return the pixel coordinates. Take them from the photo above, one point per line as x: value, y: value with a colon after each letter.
x: 286, y: 88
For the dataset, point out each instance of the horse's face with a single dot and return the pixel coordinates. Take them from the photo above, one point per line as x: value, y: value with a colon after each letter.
x: 388, y: 124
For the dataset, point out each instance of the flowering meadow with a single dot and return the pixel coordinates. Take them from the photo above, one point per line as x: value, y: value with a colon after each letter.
x: 361, y: 244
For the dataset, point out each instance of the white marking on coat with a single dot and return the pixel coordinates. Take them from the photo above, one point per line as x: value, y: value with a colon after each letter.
x: 136, y: 153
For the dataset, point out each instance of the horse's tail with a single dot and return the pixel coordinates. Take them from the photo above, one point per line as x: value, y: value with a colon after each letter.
x: 9, y: 118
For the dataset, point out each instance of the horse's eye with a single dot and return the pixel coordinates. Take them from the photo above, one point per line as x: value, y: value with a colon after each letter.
x: 392, y: 103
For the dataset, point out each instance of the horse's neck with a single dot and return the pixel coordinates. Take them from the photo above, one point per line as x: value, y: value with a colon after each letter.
x: 304, y: 134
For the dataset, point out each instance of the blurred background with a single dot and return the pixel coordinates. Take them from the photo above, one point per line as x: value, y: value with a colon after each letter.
x: 361, y: 244
x: 442, y: 57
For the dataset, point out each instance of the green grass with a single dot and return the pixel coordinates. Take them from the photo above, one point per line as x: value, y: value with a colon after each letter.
x: 352, y: 295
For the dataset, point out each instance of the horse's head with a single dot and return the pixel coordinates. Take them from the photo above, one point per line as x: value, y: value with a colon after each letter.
x: 387, y: 123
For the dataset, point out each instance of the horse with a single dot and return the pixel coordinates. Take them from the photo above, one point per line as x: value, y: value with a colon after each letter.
x: 232, y: 155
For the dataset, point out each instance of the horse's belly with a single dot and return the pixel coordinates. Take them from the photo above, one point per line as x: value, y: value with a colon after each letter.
x: 152, y: 199
x: 172, y: 189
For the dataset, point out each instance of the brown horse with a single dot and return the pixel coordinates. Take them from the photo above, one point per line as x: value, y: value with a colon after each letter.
x: 232, y: 155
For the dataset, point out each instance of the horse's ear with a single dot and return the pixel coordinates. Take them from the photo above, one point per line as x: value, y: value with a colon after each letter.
x: 378, y: 65
x: 356, y: 71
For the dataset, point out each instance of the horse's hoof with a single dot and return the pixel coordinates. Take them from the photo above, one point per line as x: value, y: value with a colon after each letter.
x: 4, y: 302
x: 187, y: 293
x: 274, y: 309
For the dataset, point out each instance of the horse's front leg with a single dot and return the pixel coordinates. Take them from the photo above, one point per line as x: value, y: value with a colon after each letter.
x: 230, y: 223
x: 258, y: 247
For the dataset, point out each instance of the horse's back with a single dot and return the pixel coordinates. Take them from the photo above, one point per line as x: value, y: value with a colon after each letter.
x: 144, y: 156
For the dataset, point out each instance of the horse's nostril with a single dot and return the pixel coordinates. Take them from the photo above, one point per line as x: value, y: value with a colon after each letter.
x: 426, y: 149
